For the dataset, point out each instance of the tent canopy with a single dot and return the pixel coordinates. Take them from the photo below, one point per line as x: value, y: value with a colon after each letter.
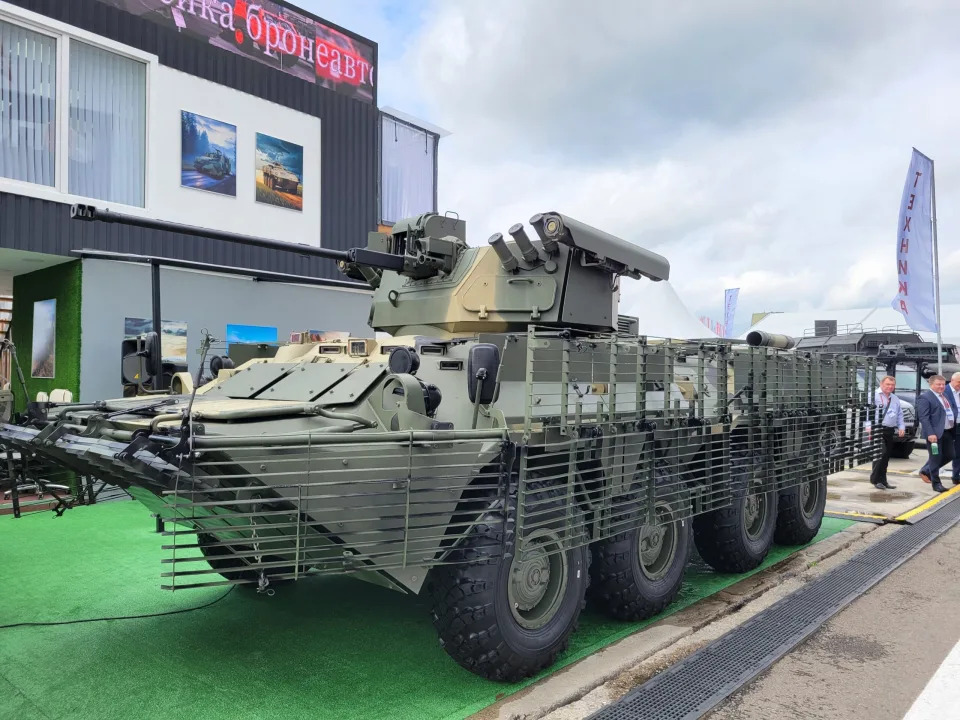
x: 661, y: 311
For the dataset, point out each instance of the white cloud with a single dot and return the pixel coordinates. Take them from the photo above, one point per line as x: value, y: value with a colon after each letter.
x: 755, y: 144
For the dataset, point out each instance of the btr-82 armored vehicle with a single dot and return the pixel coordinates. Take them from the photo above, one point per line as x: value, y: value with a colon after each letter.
x: 509, y: 451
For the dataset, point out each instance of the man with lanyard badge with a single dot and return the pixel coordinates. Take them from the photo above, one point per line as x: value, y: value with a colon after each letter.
x: 889, y: 416
x: 937, y: 413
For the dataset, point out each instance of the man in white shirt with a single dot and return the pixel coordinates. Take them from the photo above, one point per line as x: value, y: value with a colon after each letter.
x: 889, y: 418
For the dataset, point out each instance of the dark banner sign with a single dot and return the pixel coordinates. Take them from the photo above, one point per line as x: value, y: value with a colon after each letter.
x: 271, y: 34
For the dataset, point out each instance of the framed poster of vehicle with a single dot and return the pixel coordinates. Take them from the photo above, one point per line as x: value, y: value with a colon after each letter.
x: 279, y: 172
x: 208, y: 154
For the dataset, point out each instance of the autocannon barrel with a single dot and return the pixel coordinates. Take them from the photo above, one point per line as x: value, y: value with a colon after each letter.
x: 759, y: 338
x: 359, y: 256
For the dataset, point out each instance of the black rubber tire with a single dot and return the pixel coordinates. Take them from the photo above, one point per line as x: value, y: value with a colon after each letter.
x: 794, y: 526
x: 901, y: 450
x: 721, y: 535
x: 471, y: 611
x: 618, y: 586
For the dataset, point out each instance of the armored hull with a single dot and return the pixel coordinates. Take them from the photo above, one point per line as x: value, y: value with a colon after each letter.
x: 277, y: 177
x: 493, y: 455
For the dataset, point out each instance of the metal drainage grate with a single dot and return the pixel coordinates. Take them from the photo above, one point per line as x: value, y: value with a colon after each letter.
x: 696, y: 684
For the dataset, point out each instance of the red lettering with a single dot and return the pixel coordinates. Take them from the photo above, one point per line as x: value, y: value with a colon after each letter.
x: 912, y: 198
x: 207, y: 12
x: 902, y: 266
x: 906, y: 224
x: 306, y: 48
x: 273, y: 36
x: 917, y: 178
x: 226, y: 17
x: 904, y: 244
x: 364, y: 69
x: 903, y: 288
x: 252, y: 18
x: 289, y: 41
x: 903, y: 307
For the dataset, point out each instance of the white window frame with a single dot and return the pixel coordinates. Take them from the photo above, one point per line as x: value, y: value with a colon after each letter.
x: 64, y: 34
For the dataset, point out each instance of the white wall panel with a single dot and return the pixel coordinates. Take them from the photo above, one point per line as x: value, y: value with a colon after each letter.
x: 113, y: 291
x: 174, y: 91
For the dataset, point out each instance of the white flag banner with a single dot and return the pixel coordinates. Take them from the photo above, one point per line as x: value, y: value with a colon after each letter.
x: 915, y: 293
x: 730, y: 308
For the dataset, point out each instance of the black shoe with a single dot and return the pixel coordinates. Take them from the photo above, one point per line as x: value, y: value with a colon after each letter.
x: 888, y: 486
x: 938, y: 487
x: 880, y: 486
x: 956, y: 481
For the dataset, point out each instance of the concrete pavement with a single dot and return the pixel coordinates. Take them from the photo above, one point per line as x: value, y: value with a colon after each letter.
x: 874, y: 658
x: 850, y: 491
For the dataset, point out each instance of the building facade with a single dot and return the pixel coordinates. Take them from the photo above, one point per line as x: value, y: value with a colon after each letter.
x: 250, y: 117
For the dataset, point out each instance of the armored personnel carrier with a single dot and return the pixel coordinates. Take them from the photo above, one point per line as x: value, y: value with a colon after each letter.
x: 277, y: 177
x: 508, y: 451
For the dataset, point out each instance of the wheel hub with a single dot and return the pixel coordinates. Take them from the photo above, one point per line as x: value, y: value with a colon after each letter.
x: 537, y: 580
x: 530, y: 578
x: 651, y: 543
x: 809, y: 497
x: 754, y: 512
x: 658, y: 544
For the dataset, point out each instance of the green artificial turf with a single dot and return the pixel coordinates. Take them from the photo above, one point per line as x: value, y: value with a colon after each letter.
x: 324, y: 647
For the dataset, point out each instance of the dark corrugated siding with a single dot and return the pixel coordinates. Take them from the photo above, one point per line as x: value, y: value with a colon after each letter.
x: 36, y: 225
x: 348, y: 155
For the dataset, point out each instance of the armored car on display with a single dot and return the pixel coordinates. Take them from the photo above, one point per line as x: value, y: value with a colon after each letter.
x: 513, y: 449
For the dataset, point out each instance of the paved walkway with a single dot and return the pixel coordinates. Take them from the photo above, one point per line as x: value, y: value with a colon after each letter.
x: 850, y: 491
x: 876, y: 657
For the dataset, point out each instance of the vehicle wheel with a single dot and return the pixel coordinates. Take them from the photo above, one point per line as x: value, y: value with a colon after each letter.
x: 506, y: 617
x: 901, y: 450
x: 636, y: 574
x: 800, y: 512
x: 737, y: 538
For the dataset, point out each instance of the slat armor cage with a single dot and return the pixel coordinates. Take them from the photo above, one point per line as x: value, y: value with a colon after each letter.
x: 616, y: 432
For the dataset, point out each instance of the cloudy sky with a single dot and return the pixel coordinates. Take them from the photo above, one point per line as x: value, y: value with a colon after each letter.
x: 754, y: 144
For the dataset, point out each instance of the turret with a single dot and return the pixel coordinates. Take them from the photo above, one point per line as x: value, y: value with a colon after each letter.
x: 428, y: 281
x: 567, y: 276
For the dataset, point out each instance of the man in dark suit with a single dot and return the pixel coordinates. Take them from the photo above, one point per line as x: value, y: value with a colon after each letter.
x: 937, y: 414
x: 953, y: 388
